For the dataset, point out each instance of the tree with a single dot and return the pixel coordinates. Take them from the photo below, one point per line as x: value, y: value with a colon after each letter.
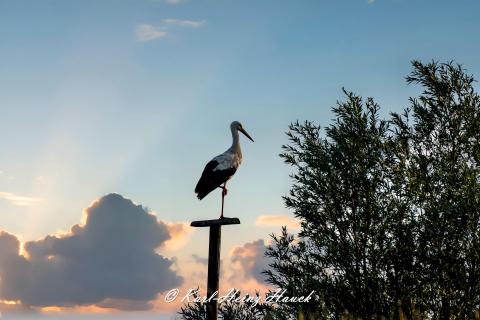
x: 341, y: 195
x: 444, y: 183
x: 390, y: 213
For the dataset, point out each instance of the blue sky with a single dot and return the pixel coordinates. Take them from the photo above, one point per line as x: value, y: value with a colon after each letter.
x: 90, y: 109
x: 136, y: 96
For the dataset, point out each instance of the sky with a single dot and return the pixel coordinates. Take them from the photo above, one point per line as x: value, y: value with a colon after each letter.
x: 129, y: 99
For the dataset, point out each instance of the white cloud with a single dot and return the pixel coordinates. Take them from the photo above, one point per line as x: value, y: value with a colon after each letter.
x: 173, y: 1
x: 17, y: 199
x: 371, y: 1
x: 147, y: 32
x: 184, y: 23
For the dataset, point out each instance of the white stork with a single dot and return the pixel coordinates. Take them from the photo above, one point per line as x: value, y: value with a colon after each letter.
x: 221, y: 168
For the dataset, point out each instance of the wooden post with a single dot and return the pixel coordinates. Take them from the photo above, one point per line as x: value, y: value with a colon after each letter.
x: 213, y: 269
x: 214, y: 259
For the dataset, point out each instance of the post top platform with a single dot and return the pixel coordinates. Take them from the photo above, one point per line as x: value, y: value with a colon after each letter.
x: 215, y: 222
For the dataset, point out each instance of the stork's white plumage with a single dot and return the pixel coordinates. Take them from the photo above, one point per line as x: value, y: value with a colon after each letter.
x: 221, y: 168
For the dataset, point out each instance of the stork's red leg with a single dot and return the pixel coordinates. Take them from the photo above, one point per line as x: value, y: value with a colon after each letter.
x: 223, y: 196
x: 224, y: 193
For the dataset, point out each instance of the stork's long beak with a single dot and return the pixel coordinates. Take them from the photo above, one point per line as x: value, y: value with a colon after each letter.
x: 246, y: 134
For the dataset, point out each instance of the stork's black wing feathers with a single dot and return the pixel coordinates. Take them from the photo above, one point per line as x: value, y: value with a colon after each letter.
x: 210, y: 179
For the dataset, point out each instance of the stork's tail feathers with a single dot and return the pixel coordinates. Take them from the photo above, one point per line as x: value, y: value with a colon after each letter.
x: 200, y: 196
x: 201, y: 191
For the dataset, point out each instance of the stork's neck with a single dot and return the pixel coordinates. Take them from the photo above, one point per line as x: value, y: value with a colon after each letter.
x: 236, y: 141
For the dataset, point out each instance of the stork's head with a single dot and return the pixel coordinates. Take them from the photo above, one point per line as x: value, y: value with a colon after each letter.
x: 238, y: 126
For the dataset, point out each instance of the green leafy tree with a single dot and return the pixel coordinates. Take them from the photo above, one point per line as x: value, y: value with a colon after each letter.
x: 341, y: 195
x: 444, y: 184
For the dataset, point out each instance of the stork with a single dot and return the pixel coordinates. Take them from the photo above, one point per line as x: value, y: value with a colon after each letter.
x: 221, y: 168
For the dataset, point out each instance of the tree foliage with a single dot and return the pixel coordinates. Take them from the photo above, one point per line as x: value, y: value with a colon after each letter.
x: 444, y: 183
x: 340, y: 193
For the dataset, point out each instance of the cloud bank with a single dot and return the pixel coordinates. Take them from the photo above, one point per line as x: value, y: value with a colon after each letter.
x: 110, y: 261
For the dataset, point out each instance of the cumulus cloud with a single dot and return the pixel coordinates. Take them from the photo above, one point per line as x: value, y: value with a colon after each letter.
x: 110, y: 261
x: 371, y: 1
x: 174, y: 1
x: 277, y: 221
x: 180, y: 233
x: 147, y: 32
x: 18, y: 200
x: 184, y: 23
x: 250, y: 260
